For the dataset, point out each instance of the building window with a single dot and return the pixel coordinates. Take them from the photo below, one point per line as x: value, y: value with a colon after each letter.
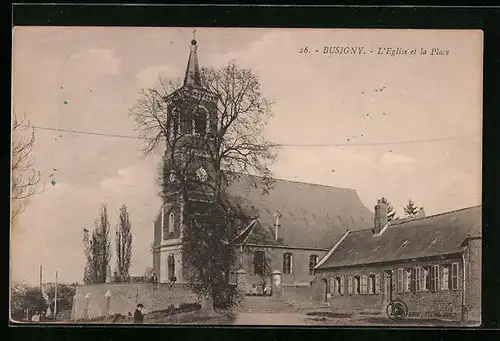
x: 342, y: 288
x: 331, y: 285
x: 357, y: 285
x: 371, y: 285
x: 407, y: 280
x: 200, y: 122
x: 170, y: 267
x: 454, y: 276
x: 416, y: 279
x: 337, y: 286
x: 400, y: 281
x: 313, y: 260
x: 363, y: 285
x: 171, y: 222
x: 287, y: 263
x: 258, y: 262
x: 349, y: 285
x: 445, y: 279
x: 377, y: 284
x: 434, y: 280
x: 425, y: 278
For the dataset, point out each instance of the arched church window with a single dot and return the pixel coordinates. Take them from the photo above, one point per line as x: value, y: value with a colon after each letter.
x: 258, y: 262
x: 287, y: 263
x: 171, y: 222
x: 313, y: 260
x: 186, y: 125
x: 200, y: 121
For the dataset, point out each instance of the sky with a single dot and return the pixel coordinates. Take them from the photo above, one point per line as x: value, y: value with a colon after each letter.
x: 400, y: 126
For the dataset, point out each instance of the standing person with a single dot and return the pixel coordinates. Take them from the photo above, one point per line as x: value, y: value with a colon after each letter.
x: 152, y: 280
x: 138, y: 316
x: 48, y: 314
x: 35, y: 317
x: 156, y: 281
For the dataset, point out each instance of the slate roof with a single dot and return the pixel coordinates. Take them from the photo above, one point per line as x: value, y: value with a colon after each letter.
x: 312, y: 216
x: 431, y: 236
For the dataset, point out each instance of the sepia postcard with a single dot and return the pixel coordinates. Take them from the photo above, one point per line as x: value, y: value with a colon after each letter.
x: 246, y: 176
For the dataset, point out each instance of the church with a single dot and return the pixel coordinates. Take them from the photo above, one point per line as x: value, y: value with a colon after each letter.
x: 302, y: 218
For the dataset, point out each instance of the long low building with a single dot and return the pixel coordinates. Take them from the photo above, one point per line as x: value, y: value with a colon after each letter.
x: 433, y: 264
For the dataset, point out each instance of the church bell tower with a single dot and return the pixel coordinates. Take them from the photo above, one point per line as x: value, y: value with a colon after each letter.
x: 192, y: 125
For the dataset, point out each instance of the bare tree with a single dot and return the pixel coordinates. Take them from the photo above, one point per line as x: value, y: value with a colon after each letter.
x: 97, y: 247
x: 123, y: 245
x: 229, y: 143
x: 25, y: 179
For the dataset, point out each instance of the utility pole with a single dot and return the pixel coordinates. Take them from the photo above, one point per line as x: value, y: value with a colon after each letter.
x: 55, y: 295
x: 40, y: 278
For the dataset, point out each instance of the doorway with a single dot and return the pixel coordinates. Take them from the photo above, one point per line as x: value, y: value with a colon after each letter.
x: 326, y: 291
x: 170, y: 267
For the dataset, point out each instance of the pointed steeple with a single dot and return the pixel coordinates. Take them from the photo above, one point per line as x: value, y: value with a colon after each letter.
x: 193, y: 76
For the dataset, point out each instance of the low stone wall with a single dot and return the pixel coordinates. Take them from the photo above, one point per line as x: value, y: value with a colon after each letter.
x: 90, y: 300
x: 300, y: 295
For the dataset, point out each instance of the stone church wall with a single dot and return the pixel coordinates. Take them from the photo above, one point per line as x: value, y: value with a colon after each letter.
x: 274, y: 257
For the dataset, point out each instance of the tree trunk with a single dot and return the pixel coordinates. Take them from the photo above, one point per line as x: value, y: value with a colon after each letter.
x: 207, y: 306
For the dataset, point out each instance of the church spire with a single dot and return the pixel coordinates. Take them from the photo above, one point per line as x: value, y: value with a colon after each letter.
x: 193, y: 76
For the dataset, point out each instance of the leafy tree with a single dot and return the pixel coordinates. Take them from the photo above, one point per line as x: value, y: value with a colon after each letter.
x: 123, y: 245
x: 65, y: 294
x: 24, y: 297
x: 25, y: 179
x: 232, y: 145
x: 390, y: 209
x: 410, y: 209
x: 97, y: 248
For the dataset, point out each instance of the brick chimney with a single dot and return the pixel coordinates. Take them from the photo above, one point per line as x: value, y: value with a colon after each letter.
x: 380, y: 220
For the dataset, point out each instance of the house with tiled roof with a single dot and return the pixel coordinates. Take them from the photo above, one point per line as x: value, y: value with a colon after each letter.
x: 431, y: 263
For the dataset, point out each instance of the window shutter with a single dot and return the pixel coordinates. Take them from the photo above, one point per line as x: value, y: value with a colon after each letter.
x: 332, y: 286
x: 412, y: 279
x: 422, y: 279
x: 342, y: 285
x: 377, y: 284
x: 349, y: 285
x: 454, y: 276
x: 438, y: 276
x: 427, y: 278
x: 417, y: 278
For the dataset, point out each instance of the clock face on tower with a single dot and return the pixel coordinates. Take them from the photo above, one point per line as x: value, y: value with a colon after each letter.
x: 172, y: 176
x: 202, y: 174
